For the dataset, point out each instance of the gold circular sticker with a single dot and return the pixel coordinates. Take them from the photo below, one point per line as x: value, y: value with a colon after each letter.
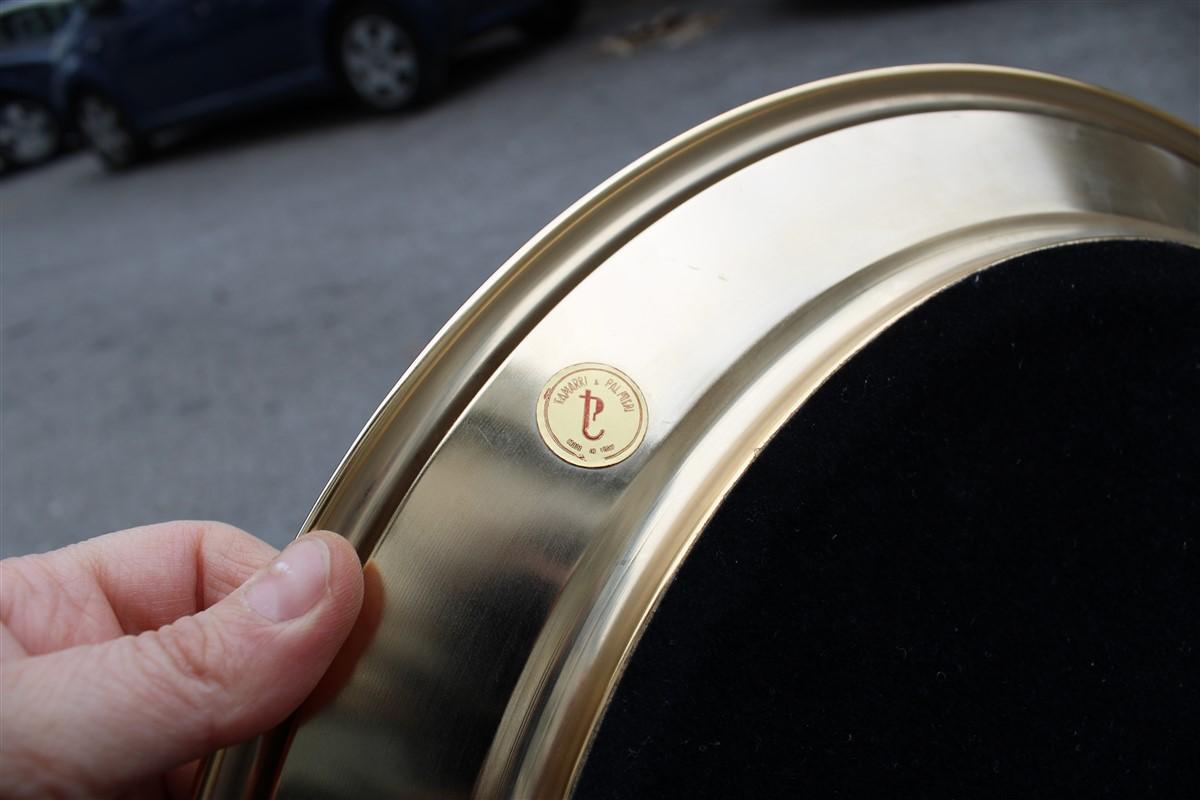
x: 592, y: 415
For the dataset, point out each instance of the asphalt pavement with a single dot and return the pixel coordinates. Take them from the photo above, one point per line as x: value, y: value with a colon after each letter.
x: 204, y: 336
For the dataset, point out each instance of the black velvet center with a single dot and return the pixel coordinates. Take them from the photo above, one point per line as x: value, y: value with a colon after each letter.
x: 967, y: 567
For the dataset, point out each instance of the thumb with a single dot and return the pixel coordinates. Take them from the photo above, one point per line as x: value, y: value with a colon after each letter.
x: 110, y: 715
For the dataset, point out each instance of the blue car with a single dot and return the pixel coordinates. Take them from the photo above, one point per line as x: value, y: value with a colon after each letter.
x: 29, y: 129
x: 128, y: 68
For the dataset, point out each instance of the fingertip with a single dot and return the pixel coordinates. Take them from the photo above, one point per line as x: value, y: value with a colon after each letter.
x: 345, y: 574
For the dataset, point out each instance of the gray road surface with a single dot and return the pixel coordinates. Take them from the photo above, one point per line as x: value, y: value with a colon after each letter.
x: 203, y: 337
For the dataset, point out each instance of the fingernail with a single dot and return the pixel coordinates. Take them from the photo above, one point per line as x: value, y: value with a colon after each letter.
x: 293, y: 583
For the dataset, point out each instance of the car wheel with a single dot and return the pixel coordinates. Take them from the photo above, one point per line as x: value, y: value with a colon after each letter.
x: 108, y: 131
x: 29, y: 133
x: 384, y: 65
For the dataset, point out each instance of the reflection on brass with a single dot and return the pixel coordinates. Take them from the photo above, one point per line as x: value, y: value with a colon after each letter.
x: 766, y: 247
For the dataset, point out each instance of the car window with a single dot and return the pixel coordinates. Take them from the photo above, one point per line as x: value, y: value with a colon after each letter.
x: 28, y: 22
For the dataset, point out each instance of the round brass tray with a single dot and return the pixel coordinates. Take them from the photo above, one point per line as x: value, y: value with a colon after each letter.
x: 723, y: 276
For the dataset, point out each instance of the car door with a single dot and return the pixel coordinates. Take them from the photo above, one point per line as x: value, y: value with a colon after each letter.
x: 260, y: 40
x: 161, y: 55
x: 480, y: 15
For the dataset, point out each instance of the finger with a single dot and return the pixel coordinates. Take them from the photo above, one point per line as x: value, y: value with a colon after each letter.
x: 10, y: 645
x: 125, y: 582
x: 106, y: 715
x: 158, y: 573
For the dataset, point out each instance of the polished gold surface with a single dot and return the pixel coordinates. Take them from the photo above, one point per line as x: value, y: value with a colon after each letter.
x: 738, y: 265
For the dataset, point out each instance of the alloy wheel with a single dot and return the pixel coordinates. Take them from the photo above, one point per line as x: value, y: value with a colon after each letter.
x: 380, y: 61
x: 28, y: 132
x: 105, y: 128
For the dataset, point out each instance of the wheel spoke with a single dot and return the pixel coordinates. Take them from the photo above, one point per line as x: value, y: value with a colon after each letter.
x: 388, y: 85
x: 356, y: 61
x: 386, y: 36
x: 360, y: 34
x: 405, y: 64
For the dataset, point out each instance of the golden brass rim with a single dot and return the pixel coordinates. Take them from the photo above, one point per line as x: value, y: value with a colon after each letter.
x: 1018, y: 135
x: 458, y: 360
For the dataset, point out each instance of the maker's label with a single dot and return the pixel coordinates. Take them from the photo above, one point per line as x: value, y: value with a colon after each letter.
x: 592, y: 415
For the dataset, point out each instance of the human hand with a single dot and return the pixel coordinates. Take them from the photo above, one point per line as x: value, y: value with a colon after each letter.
x: 125, y: 657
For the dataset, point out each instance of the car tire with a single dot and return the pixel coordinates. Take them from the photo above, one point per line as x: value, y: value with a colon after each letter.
x: 29, y: 132
x: 382, y: 62
x: 552, y: 19
x: 108, y: 131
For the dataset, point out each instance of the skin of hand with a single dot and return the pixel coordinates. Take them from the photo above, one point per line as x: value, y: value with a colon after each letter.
x: 125, y: 658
